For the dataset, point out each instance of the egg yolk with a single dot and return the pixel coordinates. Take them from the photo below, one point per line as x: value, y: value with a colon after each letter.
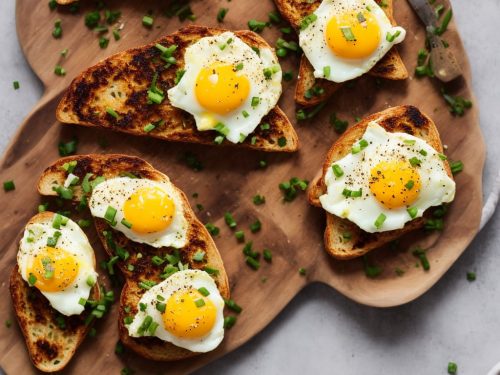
x: 221, y: 88
x: 395, y: 183
x: 54, y: 269
x: 353, y: 35
x: 149, y: 210
x: 189, y: 314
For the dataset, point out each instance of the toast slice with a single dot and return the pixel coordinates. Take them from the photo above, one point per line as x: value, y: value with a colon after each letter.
x: 142, y: 267
x: 51, y: 345
x: 121, y: 82
x: 391, y: 66
x: 404, y: 119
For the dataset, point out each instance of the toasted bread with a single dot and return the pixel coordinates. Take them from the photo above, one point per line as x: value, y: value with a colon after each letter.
x: 121, y: 82
x: 50, y: 346
x: 405, y: 119
x: 198, y: 239
x: 391, y: 66
x: 64, y: 2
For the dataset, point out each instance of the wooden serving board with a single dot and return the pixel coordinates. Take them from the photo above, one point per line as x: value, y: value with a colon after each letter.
x: 230, y: 178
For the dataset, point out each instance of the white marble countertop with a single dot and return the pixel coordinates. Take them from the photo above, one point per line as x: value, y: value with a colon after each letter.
x: 322, y: 332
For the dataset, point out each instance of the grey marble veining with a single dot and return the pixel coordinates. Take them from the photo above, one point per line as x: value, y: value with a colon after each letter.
x: 321, y: 332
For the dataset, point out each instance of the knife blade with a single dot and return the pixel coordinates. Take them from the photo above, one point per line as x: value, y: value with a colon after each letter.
x: 443, y: 62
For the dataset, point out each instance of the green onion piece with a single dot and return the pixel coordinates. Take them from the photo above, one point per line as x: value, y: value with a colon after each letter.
x: 434, y: 224
x: 142, y: 306
x: 157, y: 261
x: 221, y: 128
x: 230, y: 220
x: 130, y: 267
x: 274, y: 17
x: 148, y: 128
x: 258, y: 200
x: 409, y: 185
x: 126, y: 223
x: 392, y: 37
x: 286, y: 30
x: 43, y: 207
x: 371, y: 270
x: 91, y: 281
x: 409, y: 142
x: 221, y: 14
x: 146, y: 284
x: 337, y: 170
x: 252, y: 262
x: 82, y: 301
x: 380, y: 221
x: 255, y: 102
x: 456, y: 167
x: 326, y: 71
x: 357, y: 148
x: 308, y: 20
x: 211, y: 270
x: 256, y: 26
x: 16, y: 85
x: 112, y: 113
x: 412, y: 211
x: 145, y: 325
x: 229, y: 322
x: 339, y: 125
x: 64, y: 193
x: 452, y: 368
x: 240, y: 236
x: 255, y: 226
x: 361, y: 18
x: 352, y: 193
x: 471, y: 276
x: 414, y: 161
x: 442, y: 157
x: 245, y: 114
x: 302, y: 271
x: 212, y: 229
x: 233, y: 305
x: 347, y: 33
x: 9, y: 186
x: 128, y: 320
x: 103, y: 42
x: 419, y: 253
x: 423, y: 152
x: 288, y: 76
x: 52, y: 241
x: 59, y: 70
x: 199, y: 302
x: 268, y: 256
x: 147, y: 21
x: 204, y: 291
x: 31, y: 279
x: 282, y: 141
x: 161, y: 307
x: 199, y: 256
x: 110, y: 214
x: 219, y: 139
x: 444, y: 23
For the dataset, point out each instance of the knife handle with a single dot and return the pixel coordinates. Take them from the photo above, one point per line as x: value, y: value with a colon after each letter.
x: 444, y: 63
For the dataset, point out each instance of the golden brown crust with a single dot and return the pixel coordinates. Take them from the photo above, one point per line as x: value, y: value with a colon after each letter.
x: 50, y: 347
x: 405, y: 119
x: 121, y: 82
x: 391, y: 66
x: 143, y: 269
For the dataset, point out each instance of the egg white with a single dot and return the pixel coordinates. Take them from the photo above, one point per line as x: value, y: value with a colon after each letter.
x: 73, y: 240
x: 182, y: 280
x: 206, y: 52
x: 115, y: 192
x: 436, y: 186
x: 313, y: 42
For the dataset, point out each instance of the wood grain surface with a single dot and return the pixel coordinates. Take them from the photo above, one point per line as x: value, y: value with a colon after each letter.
x: 231, y: 177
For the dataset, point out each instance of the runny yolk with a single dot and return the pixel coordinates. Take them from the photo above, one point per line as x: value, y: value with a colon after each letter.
x: 149, y: 210
x: 395, y: 183
x: 54, y: 269
x: 221, y: 88
x: 353, y: 35
x: 189, y: 314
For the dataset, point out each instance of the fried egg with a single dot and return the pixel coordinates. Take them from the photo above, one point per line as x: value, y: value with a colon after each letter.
x: 387, y: 180
x: 145, y: 211
x: 227, y: 86
x: 186, y: 309
x: 344, y: 39
x: 56, y: 257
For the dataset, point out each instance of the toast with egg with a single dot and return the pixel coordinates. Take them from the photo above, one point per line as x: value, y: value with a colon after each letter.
x: 51, y: 344
x: 391, y: 66
x: 122, y: 81
x: 137, y: 267
x: 404, y: 119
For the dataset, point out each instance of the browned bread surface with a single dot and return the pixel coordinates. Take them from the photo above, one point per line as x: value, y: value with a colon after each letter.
x: 50, y: 346
x: 121, y: 82
x: 391, y: 66
x: 405, y: 119
x: 198, y: 239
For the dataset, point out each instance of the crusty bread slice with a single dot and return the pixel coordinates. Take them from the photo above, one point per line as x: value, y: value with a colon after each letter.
x: 405, y: 119
x: 121, y: 82
x: 50, y: 346
x: 391, y: 66
x: 143, y: 269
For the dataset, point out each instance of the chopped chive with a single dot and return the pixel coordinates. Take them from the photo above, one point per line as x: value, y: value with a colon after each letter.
x: 212, y: 229
x: 229, y: 322
x: 255, y: 102
x: 337, y: 170
x: 258, y: 200
x: 339, y: 125
x: 222, y: 14
x: 233, y: 305
x: 59, y: 70
x: 252, y: 262
x: 409, y: 142
x: 380, y: 221
x: 126, y: 223
x: 148, y: 128
x: 361, y: 145
x: 414, y: 161
x: 456, y: 167
x: 199, y: 256
x: 110, y: 214
x: 442, y: 157
x: 268, y: 256
x: 274, y: 17
x: 471, y: 276
x: 9, y: 186
x: 90, y: 281
x: 423, y: 152
x: 57, y: 32
x: 371, y: 270
x: 302, y: 271
x: 452, y: 368
x: 103, y: 42
x: 326, y: 71
x: 282, y: 141
x: 230, y: 220
x: 82, y: 301
x: 361, y: 18
x: 352, y: 193
x: 412, y: 211
x: 157, y: 261
x: 419, y: 253
x: 116, y: 34
x: 31, y: 279
x: 409, y: 185
x: 444, y: 23
x: 211, y: 270
x: 307, y: 20
x: 256, y: 26
x: 146, y: 284
x: 16, y: 85
x: 434, y: 224
x: 245, y: 114
x: 147, y: 21
x: 204, y: 291
x: 161, y: 307
x: 145, y: 325
x: 112, y: 112
x: 221, y: 128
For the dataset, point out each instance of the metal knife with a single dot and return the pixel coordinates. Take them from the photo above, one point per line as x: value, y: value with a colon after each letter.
x: 444, y: 63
